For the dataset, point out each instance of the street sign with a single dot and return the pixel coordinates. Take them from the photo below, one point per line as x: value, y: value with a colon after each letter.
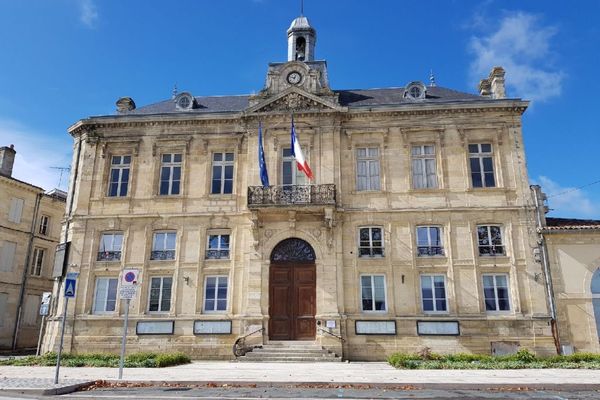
x: 70, y: 287
x: 127, y: 292
x: 45, y: 304
x: 129, y: 280
x: 129, y: 277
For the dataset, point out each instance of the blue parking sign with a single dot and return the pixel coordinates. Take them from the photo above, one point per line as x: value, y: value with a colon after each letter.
x: 70, y: 287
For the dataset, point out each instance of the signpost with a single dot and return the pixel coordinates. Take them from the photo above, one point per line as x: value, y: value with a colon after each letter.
x: 127, y: 291
x: 70, y: 284
x: 44, y: 309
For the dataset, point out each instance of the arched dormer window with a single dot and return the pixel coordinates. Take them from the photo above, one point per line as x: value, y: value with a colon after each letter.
x: 300, y: 48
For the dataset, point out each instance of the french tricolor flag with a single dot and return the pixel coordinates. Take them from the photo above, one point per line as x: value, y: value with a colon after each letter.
x: 298, y: 155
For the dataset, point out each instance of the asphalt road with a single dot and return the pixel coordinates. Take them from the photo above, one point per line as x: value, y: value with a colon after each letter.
x: 151, y: 393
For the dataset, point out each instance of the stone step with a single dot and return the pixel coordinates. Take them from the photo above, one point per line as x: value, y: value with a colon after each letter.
x: 289, y: 359
x: 287, y: 350
x: 259, y: 354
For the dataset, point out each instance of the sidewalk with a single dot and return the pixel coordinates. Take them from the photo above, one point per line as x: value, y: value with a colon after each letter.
x: 37, y: 378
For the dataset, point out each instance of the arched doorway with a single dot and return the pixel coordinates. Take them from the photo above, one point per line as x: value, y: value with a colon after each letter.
x: 292, y: 291
x: 595, y: 288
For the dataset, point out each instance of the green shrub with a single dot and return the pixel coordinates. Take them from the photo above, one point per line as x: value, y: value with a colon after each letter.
x: 135, y: 360
x: 169, y: 359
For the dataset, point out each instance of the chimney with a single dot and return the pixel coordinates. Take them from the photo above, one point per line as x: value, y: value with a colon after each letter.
x: 125, y: 104
x: 485, y: 88
x: 7, y: 159
x: 496, y: 79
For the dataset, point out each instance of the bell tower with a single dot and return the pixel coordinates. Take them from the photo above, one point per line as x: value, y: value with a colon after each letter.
x: 301, y: 40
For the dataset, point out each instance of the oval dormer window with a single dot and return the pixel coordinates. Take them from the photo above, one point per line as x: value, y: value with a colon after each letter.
x: 415, y: 91
x: 184, y: 101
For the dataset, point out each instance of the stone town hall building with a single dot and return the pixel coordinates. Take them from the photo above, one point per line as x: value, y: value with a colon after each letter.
x: 413, y: 232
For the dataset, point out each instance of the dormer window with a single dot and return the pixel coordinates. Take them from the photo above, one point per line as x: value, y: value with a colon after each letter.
x: 415, y: 91
x: 184, y: 101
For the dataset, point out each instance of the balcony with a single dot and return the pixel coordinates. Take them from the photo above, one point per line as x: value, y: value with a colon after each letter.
x: 109, y: 256
x: 291, y: 195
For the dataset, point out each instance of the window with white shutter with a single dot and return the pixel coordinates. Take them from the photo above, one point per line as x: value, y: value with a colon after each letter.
x: 3, y: 301
x: 31, y: 310
x: 16, y: 210
x: 7, y: 256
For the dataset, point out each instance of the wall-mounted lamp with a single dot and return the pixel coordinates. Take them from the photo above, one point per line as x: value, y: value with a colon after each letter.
x: 536, y: 276
x: 187, y: 280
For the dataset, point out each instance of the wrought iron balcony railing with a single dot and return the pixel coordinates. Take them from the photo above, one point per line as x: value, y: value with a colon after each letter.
x: 162, y: 255
x: 109, y: 256
x: 289, y: 195
x: 424, y: 251
x: 212, y: 254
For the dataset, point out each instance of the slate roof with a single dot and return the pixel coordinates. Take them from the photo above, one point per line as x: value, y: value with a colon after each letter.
x: 348, y: 98
x: 555, y: 224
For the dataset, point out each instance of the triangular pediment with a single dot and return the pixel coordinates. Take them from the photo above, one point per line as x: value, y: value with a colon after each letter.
x: 294, y: 100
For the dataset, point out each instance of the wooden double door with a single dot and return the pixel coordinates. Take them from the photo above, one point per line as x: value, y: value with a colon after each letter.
x: 292, y: 301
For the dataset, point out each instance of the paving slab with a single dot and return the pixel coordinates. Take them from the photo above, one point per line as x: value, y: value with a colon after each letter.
x: 39, y: 386
x: 352, y: 372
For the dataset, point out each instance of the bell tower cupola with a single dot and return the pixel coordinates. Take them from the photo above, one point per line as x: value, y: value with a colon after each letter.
x: 301, y: 40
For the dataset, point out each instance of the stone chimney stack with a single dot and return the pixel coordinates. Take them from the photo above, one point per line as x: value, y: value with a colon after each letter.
x: 493, y: 86
x: 7, y: 160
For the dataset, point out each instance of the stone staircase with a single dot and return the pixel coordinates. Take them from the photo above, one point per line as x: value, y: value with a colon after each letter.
x: 290, y: 351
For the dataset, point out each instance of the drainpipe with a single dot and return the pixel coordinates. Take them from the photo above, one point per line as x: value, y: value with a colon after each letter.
x: 36, y: 209
x: 538, y: 201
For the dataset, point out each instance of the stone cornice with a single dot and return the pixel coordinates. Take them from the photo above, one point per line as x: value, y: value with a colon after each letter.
x: 90, y: 125
x: 9, y: 180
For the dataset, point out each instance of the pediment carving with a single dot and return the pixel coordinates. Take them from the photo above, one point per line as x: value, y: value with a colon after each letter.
x: 293, y: 102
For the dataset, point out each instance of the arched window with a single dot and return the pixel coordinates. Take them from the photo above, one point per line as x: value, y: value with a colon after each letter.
x: 596, y: 299
x: 293, y: 250
x: 300, y: 49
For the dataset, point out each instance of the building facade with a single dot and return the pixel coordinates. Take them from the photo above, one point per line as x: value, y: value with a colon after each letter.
x: 30, y: 228
x: 414, y: 232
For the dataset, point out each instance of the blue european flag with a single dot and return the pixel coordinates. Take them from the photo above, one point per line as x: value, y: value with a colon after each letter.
x: 264, y: 176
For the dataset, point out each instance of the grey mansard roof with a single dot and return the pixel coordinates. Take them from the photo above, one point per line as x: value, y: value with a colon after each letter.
x: 355, y: 98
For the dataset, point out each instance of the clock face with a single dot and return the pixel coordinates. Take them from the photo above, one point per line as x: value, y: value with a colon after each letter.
x: 184, y: 102
x: 294, y: 78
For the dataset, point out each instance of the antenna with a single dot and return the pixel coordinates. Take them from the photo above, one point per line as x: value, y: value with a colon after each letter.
x: 62, y: 170
x: 301, y: 8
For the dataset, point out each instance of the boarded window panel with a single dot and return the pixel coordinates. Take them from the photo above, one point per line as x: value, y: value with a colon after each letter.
x: 7, y: 256
x: 30, y: 310
x: 3, y: 301
x: 16, y: 209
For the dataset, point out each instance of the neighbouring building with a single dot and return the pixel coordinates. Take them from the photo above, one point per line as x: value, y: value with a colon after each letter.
x: 30, y: 227
x: 415, y: 231
x: 574, y: 255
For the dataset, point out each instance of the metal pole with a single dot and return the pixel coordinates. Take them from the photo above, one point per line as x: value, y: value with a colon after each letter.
x: 124, y: 339
x: 62, y: 338
x: 37, y: 352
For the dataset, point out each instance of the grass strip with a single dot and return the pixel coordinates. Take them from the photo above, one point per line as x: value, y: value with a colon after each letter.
x: 134, y: 360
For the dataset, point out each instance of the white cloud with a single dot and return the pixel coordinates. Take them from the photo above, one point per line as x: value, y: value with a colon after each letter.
x: 569, y: 202
x: 522, y: 45
x: 88, y: 13
x: 37, y: 153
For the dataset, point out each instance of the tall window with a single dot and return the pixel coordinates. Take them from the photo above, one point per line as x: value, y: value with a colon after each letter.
x: 373, y: 292
x: 370, y: 242
x: 433, y: 293
x: 170, y: 174
x: 429, y: 241
x: 119, y: 176
x: 105, y: 297
x: 367, y: 169
x: 110, y: 246
x: 217, y: 246
x: 423, y: 167
x: 16, y: 210
x: 215, y: 293
x: 290, y: 174
x: 37, y: 263
x: 160, y: 294
x: 44, y: 225
x: 490, y: 240
x: 482, y: 165
x: 7, y: 256
x: 222, y: 173
x: 495, y: 291
x: 163, y: 246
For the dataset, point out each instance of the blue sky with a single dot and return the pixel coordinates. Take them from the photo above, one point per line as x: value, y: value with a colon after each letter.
x: 63, y: 60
